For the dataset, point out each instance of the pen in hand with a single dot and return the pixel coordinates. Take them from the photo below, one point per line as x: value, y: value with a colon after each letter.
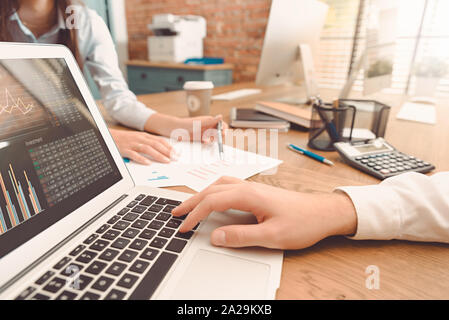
x: 220, y: 139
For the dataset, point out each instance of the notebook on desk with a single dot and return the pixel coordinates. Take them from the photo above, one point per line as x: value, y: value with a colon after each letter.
x: 298, y: 114
x: 251, y: 118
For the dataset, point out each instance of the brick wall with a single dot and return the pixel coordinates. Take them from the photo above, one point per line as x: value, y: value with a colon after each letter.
x: 235, y: 29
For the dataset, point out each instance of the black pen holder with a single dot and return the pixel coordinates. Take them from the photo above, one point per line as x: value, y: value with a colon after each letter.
x: 347, y: 120
x: 327, y: 125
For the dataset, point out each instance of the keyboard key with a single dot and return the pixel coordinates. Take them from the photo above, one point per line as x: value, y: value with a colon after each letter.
x: 103, y: 229
x: 128, y: 256
x: 139, y: 209
x: 71, y: 270
x: 156, y: 208
x: 138, y: 244
x: 66, y: 295
x: 86, y: 257
x: 102, y: 284
x: 149, y: 254
x: 169, y: 209
x: 91, y: 239
x: 148, y: 201
x: 90, y: 296
x: 120, y: 243
x: 45, y: 277
x: 158, y: 242
x: 131, y: 217
x: 82, y: 282
x: 127, y: 281
x: 132, y: 204
x: 25, y: 293
x: 111, y: 235
x: 108, y: 255
x: 131, y: 233
x: 121, y: 225
x: 77, y: 250
x: 174, y: 223
x: 186, y: 235
x: 175, y: 203
x: 115, y: 295
x: 156, y: 225
x: 140, y: 197
x: 123, y: 211
x: 40, y: 296
x: 166, y: 233
x: 96, y: 267
x: 140, y: 224
x: 154, y: 277
x: 139, y: 266
x: 163, y: 216
x: 55, y: 285
x: 148, y: 216
x: 114, y: 219
x: 116, y: 269
x: 99, y: 245
x: 162, y: 201
x: 147, y: 234
x: 176, y: 245
x: 62, y: 263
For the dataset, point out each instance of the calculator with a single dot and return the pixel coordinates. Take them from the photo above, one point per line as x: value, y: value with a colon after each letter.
x: 380, y: 159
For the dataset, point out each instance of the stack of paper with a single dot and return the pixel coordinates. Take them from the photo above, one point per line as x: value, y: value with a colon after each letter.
x: 198, y: 166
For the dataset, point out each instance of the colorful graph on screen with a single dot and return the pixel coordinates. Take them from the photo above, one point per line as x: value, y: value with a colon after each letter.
x: 20, y: 200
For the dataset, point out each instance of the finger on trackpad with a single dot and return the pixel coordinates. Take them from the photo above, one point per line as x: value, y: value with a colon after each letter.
x: 213, y: 276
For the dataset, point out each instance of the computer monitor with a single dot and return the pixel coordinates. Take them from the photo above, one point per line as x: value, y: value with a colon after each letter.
x: 291, y: 39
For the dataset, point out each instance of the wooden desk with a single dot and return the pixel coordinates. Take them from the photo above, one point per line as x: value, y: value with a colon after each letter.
x: 335, y: 267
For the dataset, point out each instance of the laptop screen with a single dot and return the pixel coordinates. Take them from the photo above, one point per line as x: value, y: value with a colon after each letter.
x: 53, y: 158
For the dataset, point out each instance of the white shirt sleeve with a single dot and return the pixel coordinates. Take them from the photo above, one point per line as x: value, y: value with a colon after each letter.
x: 410, y: 206
x: 102, y: 62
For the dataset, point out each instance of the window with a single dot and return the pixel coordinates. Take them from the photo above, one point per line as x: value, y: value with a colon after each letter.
x: 422, y: 35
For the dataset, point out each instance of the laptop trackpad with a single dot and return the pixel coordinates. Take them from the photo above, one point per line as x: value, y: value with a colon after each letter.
x: 214, y: 276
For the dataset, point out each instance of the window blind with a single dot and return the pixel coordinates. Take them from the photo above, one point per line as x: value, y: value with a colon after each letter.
x: 422, y: 35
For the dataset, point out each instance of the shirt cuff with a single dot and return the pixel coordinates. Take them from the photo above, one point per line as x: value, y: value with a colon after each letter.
x: 378, y: 212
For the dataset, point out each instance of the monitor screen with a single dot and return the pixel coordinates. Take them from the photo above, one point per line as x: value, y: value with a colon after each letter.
x: 53, y: 158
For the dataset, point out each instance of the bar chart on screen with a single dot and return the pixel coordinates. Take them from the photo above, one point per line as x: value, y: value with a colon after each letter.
x: 18, y: 199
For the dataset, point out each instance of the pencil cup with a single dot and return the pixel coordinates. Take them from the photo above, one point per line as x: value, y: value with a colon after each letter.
x: 327, y: 126
x: 199, y: 95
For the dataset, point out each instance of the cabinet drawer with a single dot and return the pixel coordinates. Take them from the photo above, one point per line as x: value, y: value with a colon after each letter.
x: 156, y: 79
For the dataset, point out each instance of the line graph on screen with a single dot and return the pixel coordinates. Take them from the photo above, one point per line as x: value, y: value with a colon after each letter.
x: 12, y: 104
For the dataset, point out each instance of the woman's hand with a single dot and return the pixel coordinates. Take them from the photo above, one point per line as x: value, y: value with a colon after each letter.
x: 165, y: 125
x: 286, y: 219
x: 134, y: 144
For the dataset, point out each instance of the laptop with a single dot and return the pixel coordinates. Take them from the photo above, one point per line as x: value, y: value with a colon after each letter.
x: 73, y: 225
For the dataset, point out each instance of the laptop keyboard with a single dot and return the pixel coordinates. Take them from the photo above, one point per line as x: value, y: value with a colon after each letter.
x: 128, y: 257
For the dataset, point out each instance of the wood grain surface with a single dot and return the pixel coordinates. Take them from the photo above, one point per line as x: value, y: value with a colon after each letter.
x: 335, y: 267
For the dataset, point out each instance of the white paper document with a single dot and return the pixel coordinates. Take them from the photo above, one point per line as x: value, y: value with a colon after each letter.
x: 198, y: 166
x: 418, y: 112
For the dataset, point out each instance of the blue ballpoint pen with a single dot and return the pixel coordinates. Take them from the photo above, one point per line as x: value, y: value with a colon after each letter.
x: 309, y: 154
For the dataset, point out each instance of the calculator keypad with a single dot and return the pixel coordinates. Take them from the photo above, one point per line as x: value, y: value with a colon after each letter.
x: 385, y: 165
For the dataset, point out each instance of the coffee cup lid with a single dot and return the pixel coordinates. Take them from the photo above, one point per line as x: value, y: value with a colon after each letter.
x: 198, y: 85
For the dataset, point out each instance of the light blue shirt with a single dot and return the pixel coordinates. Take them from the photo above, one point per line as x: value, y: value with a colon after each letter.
x: 99, y: 56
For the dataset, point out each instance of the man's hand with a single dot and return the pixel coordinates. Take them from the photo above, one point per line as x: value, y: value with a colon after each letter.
x: 134, y: 145
x: 286, y: 219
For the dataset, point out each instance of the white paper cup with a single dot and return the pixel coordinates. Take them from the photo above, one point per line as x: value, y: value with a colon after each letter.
x: 199, y: 95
